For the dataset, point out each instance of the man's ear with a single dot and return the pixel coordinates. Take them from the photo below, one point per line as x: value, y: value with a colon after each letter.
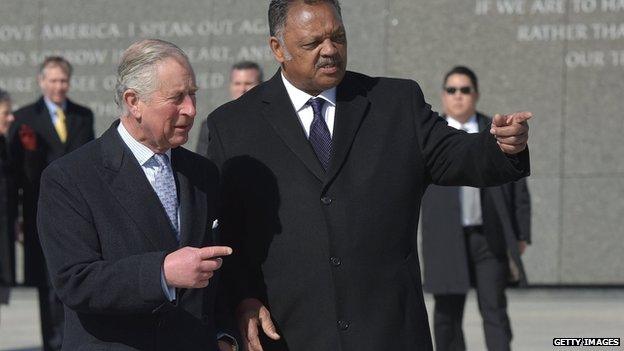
x: 277, y: 49
x: 131, y: 101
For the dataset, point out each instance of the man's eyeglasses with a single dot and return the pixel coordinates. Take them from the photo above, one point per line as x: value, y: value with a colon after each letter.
x: 453, y: 90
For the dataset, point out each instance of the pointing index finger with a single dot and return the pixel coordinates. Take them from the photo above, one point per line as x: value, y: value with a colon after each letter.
x: 209, y: 252
x: 519, y: 117
x: 499, y: 120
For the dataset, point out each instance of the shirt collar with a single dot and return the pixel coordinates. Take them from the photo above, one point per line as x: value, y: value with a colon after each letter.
x: 299, y: 98
x: 52, y: 107
x: 471, y: 123
x: 141, y: 152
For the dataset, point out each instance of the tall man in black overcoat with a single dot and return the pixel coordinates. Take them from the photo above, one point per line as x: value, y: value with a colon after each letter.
x: 43, y: 131
x: 471, y: 236
x: 126, y: 221
x: 323, y: 171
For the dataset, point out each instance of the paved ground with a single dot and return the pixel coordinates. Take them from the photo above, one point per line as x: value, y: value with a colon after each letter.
x: 537, y: 316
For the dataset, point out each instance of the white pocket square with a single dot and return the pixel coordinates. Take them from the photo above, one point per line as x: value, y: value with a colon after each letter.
x: 215, y: 223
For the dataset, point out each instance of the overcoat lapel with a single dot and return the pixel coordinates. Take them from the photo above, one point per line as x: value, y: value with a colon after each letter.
x: 129, y: 185
x: 192, y: 206
x: 483, y: 122
x: 351, y: 108
x: 279, y: 112
x: 72, y: 122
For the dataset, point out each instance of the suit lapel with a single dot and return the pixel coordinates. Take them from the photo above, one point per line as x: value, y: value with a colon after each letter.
x: 483, y: 122
x: 351, y: 107
x: 129, y: 185
x: 71, y: 121
x: 280, y: 113
x: 192, y: 205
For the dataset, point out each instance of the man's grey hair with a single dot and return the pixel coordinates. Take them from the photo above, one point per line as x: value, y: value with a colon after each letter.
x: 4, y: 96
x: 137, y: 69
x: 278, y: 11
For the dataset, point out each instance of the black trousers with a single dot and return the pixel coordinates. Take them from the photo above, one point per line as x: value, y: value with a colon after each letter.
x: 52, y: 318
x: 488, y: 274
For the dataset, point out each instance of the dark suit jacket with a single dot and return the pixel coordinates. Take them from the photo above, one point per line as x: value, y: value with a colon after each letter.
x: 28, y: 166
x: 331, y: 254
x: 506, y: 213
x: 105, y: 235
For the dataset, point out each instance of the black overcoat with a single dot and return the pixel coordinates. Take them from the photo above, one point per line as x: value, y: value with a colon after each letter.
x: 105, y: 236
x: 331, y: 253
x: 506, y: 213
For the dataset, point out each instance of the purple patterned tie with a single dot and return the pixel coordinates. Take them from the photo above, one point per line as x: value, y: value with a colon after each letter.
x: 319, y: 133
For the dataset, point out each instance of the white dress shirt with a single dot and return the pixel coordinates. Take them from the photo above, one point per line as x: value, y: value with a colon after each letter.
x: 469, y: 197
x: 143, y: 154
x: 299, y: 100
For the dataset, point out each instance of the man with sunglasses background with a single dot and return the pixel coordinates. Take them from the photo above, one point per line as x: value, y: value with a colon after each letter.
x: 471, y: 236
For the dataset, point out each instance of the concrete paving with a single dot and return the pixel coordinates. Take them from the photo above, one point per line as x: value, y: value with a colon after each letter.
x: 537, y: 315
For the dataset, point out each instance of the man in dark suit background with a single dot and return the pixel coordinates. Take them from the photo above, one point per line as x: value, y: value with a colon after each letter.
x: 323, y: 171
x: 126, y: 221
x: 244, y: 75
x: 471, y: 236
x: 44, y: 131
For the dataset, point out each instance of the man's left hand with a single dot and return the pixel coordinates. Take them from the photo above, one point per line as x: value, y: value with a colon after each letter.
x: 511, y: 131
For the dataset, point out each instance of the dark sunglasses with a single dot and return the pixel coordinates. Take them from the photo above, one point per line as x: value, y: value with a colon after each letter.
x: 453, y: 90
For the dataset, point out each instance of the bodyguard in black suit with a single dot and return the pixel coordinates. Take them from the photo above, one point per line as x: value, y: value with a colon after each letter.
x: 323, y: 172
x: 126, y: 221
x: 244, y: 75
x: 472, y: 237
x: 44, y: 131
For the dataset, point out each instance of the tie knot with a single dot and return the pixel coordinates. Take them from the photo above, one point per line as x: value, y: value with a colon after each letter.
x: 317, y: 105
x: 162, y: 159
x: 60, y: 113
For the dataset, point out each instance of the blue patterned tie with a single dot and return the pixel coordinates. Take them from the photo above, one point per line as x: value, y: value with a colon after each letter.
x: 165, y: 188
x: 320, y: 138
